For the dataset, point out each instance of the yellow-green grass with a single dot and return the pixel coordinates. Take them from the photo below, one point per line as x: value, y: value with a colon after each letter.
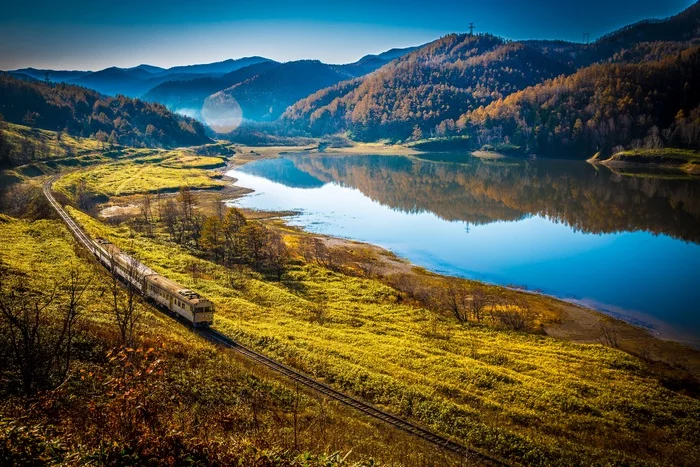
x: 50, y: 147
x: 162, y: 172
x: 687, y: 160
x: 187, y: 160
x: 528, y: 398
x: 204, y: 395
x: 52, y: 155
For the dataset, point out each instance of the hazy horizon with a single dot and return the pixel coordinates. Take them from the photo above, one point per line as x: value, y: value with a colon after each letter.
x: 73, y: 36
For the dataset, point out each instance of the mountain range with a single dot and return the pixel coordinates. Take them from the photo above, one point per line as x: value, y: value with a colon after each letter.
x: 135, y: 81
x: 539, y: 96
x: 442, y: 89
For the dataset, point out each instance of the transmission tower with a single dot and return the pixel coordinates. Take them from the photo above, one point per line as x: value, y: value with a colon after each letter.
x: 586, y: 37
x: 471, y: 29
x: 46, y: 77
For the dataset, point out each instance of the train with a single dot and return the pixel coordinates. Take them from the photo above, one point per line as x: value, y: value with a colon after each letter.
x: 187, y: 304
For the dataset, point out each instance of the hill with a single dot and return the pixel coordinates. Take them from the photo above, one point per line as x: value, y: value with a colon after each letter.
x: 265, y: 97
x: 187, y: 97
x: 616, y: 46
x: 602, y: 108
x: 135, y: 81
x: 429, y: 87
x: 218, y: 68
x: 264, y: 90
x: 83, y: 112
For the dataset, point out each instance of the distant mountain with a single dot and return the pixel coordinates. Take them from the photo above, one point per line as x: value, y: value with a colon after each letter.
x: 187, y: 97
x: 264, y: 90
x: 218, y: 68
x: 135, y: 81
x: 430, y: 86
x: 265, y: 97
x: 682, y: 28
x: 56, y: 76
x: 132, y: 82
x: 84, y: 112
x: 149, y: 68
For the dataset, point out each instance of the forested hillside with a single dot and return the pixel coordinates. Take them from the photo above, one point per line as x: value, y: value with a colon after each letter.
x: 679, y: 30
x: 83, y: 112
x: 630, y: 88
x: 430, y: 86
x: 604, y: 108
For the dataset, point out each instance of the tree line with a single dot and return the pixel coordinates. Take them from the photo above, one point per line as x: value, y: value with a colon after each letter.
x: 408, y: 98
x: 86, y: 113
x: 226, y: 237
x: 603, y: 108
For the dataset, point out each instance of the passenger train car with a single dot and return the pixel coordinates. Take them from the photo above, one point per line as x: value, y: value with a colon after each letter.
x: 166, y: 293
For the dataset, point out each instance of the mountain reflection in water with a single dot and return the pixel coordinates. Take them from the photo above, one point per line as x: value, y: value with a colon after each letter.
x: 628, y: 244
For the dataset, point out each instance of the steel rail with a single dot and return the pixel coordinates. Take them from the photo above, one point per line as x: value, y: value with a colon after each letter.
x: 467, y: 454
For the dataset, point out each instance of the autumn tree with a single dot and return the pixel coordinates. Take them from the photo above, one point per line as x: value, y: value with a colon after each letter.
x: 234, y: 243
x: 213, y: 237
x: 276, y: 254
x: 254, y: 236
x: 102, y: 137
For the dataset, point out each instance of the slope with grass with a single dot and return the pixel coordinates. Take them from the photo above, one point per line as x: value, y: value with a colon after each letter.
x: 674, y: 159
x: 164, y: 171
x: 173, y: 398
x: 526, y: 397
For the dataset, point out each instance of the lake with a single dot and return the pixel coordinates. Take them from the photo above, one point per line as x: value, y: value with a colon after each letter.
x: 626, y: 244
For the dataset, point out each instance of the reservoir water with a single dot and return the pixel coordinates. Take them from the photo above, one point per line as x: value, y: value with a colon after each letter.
x: 625, y: 243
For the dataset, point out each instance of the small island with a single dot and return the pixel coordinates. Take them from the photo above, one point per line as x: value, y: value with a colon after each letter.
x: 685, y: 160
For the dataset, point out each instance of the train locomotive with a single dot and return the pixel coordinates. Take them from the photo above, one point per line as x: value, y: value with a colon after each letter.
x: 189, y: 305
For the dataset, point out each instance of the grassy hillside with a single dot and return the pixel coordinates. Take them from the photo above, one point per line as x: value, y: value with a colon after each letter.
x: 527, y: 397
x: 678, y: 159
x: 173, y: 398
x: 162, y: 172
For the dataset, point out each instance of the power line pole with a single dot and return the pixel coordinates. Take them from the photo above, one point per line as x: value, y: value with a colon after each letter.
x: 471, y: 29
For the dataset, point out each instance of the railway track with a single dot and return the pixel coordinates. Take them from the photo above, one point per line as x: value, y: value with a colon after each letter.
x: 466, y: 454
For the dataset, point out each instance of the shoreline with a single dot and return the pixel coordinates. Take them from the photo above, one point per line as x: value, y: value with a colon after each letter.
x: 579, y: 322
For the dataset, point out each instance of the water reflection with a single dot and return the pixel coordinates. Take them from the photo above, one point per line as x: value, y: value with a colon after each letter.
x: 629, y: 244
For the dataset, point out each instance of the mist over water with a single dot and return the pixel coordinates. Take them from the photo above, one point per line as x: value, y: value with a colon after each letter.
x: 222, y: 113
x: 628, y: 245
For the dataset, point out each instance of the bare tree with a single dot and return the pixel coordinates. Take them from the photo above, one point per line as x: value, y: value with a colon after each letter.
x: 39, y: 329
x: 126, y: 304
x: 147, y: 213
x: 170, y: 216
x: 456, y: 300
x: 316, y: 250
x: 609, y: 335
x: 480, y: 301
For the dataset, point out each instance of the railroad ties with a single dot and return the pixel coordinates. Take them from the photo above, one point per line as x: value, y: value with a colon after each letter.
x: 469, y: 455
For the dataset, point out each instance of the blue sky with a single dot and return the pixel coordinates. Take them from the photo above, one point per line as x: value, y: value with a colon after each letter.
x: 93, y: 35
